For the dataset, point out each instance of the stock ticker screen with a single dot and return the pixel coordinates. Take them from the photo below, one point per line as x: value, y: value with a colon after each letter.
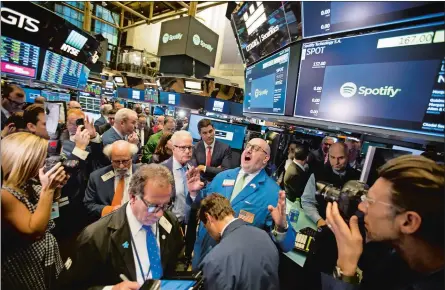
x: 61, y: 70
x: 390, y: 80
x: 329, y: 17
x: 19, y: 58
x: 266, y: 83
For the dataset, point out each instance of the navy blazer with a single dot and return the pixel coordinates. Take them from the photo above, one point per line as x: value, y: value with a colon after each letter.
x: 99, y: 193
x: 255, y: 197
x: 221, y: 157
x: 110, y: 136
x: 101, y: 121
x: 240, y: 265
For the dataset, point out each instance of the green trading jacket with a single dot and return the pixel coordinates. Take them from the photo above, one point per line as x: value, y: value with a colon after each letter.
x: 150, y: 147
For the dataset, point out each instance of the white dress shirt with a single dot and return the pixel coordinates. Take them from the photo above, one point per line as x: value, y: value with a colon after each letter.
x: 180, y: 207
x: 141, y: 132
x: 125, y: 196
x: 7, y: 114
x: 139, y: 235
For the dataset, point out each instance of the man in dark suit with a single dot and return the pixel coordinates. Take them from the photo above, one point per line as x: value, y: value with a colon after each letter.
x: 296, y: 175
x: 143, y: 131
x: 318, y: 158
x: 104, y: 109
x: 141, y: 240
x: 235, y: 263
x: 123, y: 128
x: 13, y: 100
x: 105, y: 127
x: 211, y: 155
x: 107, y: 187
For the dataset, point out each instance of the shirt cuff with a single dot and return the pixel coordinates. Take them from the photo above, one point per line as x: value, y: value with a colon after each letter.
x: 82, y: 154
x: 96, y: 139
x: 107, y: 288
x: 279, y: 237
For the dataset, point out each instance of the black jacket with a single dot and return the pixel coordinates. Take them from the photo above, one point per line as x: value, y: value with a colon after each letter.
x: 101, y: 255
x: 295, y: 180
x: 221, y: 158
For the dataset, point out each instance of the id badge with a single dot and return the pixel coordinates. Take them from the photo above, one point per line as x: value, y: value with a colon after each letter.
x: 55, y: 210
x: 246, y: 216
x: 228, y: 182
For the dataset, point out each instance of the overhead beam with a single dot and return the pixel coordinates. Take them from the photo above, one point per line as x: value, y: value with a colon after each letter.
x: 128, y: 9
x: 193, y: 8
x: 167, y: 15
x: 169, y: 5
x: 152, y: 5
x: 88, y: 12
x: 183, y: 4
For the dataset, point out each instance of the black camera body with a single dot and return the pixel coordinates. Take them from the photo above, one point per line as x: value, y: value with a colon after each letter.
x: 347, y: 198
x: 70, y: 166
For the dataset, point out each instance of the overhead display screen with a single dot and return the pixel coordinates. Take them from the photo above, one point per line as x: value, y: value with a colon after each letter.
x: 137, y: 95
x: 61, y: 70
x: 217, y: 106
x: 265, y: 85
x: 390, y: 80
x: 151, y: 95
x: 261, y: 29
x: 328, y: 17
x: 169, y: 98
x: 19, y: 58
x: 83, y: 79
x: 31, y: 94
x: 56, y: 96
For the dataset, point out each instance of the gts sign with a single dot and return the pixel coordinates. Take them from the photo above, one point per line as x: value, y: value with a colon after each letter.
x: 18, y: 19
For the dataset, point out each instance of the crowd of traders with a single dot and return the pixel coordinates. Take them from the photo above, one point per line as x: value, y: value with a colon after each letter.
x: 133, y: 196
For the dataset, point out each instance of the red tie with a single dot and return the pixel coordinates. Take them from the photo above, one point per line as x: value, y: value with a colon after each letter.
x: 209, y: 155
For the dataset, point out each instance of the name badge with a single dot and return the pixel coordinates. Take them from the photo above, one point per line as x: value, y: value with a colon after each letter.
x: 165, y: 224
x: 229, y: 182
x: 107, y: 176
x: 55, y: 210
x: 246, y: 216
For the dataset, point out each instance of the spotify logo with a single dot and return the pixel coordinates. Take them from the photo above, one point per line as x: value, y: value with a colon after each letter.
x: 165, y: 38
x: 348, y: 90
x: 196, y: 39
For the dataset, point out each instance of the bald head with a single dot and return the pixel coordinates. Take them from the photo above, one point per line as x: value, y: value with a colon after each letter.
x: 338, y: 156
x: 40, y: 100
x: 74, y: 105
x: 255, y: 156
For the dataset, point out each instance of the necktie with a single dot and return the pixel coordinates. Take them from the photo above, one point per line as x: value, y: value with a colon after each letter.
x: 153, y: 254
x: 119, y: 192
x: 238, y: 186
x: 209, y: 155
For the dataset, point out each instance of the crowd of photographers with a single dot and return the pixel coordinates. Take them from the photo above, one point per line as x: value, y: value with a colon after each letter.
x: 131, y: 195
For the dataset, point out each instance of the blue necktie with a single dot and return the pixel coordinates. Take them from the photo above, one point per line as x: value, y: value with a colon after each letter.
x: 153, y: 254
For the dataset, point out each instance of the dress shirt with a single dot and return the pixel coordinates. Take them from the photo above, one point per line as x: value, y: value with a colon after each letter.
x: 127, y: 176
x: 140, y: 133
x: 7, y: 114
x: 139, y: 235
x: 180, y: 207
x: 249, y: 177
x: 211, y: 150
x: 299, y: 165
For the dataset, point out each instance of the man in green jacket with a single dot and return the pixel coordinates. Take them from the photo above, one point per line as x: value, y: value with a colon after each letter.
x: 150, y: 147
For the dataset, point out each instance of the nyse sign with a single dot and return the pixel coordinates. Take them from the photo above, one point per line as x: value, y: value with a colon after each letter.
x: 13, y: 17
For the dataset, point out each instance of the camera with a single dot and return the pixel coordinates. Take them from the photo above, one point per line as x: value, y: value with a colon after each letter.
x: 70, y: 166
x: 80, y: 122
x: 348, y: 197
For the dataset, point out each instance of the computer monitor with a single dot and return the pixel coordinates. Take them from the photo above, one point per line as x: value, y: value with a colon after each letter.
x: 31, y: 94
x: 19, y: 58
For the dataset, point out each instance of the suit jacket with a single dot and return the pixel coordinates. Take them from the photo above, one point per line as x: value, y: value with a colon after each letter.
x: 254, y: 199
x: 315, y: 160
x: 103, y: 128
x: 101, y: 121
x: 110, y: 136
x: 104, y: 251
x: 221, y: 157
x: 295, y: 180
x: 244, y: 266
x: 98, y: 193
x: 147, y: 133
x: 4, y: 119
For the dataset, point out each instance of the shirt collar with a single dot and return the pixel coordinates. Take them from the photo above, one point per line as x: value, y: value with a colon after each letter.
x: 249, y: 174
x: 352, y: 164
x: 299, y: 165
x: 135, y: 225
x: 7, y: 114
x: 118, y: 133
x: 176, y: 164
x: 340, y: 173
x: 225, y: 227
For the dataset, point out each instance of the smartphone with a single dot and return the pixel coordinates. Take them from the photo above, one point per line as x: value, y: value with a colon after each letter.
x: 80, y: 122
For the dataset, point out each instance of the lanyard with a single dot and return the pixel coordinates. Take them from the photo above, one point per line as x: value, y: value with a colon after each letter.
x: 145, y: 277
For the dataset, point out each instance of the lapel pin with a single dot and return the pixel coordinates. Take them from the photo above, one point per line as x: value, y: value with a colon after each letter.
x: 125, y: 245
x: 163, y: 237
x: 253, y: 186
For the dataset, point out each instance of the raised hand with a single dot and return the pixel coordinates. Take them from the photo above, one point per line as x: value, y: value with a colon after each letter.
x: 279, y: 213
x: 89, y: 126
x: 194, y: 183
x: 82, y: 138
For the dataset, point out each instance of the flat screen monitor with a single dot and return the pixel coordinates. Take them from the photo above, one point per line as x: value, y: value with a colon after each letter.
x: 19, y: 58
x: 413, y: 151
x: 56, y: 96
x: 169, y: 98
x: 158, y: 111
x: 119, y: 81
x: 267, y: 89
x: 93, y: 88
x: 217, y: 106
x: 231, y: 134
x: 390, y: 80
x: 261, y: 29
x: 151, y: 95
x: 124, y: 93
x: 137, y: 95
x: 83, y: 79
x: 329, y: 17
x: 31, y: 94
x: 61, y: 70
x: 89, y: 103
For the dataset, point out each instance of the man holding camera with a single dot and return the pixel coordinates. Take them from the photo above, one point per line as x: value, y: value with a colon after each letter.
x: 405, y: 209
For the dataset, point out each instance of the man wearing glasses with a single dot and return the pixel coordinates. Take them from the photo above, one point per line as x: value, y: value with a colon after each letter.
x: 252, y: 194
x: 107, y: 187
x: 404, y: 209
x: 141, y: 240
x: 13, y: 100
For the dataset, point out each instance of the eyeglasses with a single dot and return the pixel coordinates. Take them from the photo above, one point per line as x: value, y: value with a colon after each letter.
x: 370, y: 201
x: 15, y: 103
x: 154, y: 208
x: 255, y: 148
x: 123, y: 162
x: 183, y: 148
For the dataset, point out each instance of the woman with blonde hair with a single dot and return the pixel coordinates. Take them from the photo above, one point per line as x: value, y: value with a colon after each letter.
x: 30, y: 253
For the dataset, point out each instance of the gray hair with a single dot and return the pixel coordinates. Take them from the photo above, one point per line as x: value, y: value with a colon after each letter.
x: 124, y: 114
x: 182, y: 134
x: 132, y: 148
x: 329, y: 137
x: 157, y: 173
x: 104, y: 109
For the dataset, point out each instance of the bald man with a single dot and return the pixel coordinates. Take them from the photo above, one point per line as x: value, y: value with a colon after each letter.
x: 107, y: 187
x: 337, y: 172
x: 252, y: 194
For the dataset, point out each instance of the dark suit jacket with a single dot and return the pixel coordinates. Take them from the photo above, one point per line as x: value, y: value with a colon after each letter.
x: 110, y: 136
x: 147, y: 133
x: 98, y: 193
x: 101, y: 255
x: 295, y: 180
x: 4, y: 119
x: 103, y: 128
x: 222, y: 156
x: 101, y: 121
x: 315, y: 160
x: 235, y: 264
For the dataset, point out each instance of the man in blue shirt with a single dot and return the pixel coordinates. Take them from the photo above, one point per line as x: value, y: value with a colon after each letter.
x: 251, y: 193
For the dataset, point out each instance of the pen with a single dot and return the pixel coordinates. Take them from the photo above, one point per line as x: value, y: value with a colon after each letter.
x: 123, y: 277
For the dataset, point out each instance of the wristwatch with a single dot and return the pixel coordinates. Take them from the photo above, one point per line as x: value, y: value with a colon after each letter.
x: 338, y: 274
x: 277, y: 230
